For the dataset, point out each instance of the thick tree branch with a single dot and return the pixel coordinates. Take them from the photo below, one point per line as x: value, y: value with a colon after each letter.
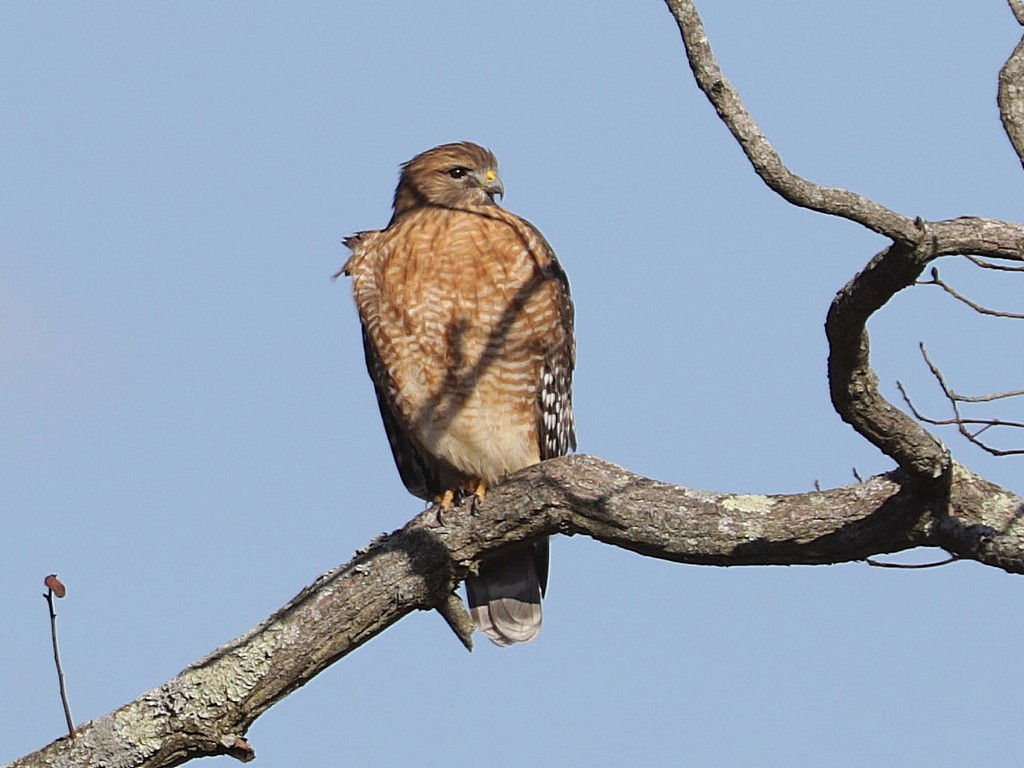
x: 853, y: 384
x: 207, y: 709
x: 974, y: 236
x: 1010, y: 95
x: 1011, y: 103
x: 1018, y: 10
x: 964, y: 235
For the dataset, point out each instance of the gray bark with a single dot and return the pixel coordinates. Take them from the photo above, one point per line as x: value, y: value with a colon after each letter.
x: 207, y: 709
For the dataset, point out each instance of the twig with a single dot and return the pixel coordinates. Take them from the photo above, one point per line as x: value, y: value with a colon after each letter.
x: 983, y: 424
x: 979, y: 262
x: 963, y: 299
x: 989, y: 397
x: 959, y: 420
x: 454, y: 612
x: 952, y: 395
x: 911, y: 566
x: 55, y: 587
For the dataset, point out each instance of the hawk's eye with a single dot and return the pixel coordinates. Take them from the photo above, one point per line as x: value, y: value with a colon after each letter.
x: 457, y: 173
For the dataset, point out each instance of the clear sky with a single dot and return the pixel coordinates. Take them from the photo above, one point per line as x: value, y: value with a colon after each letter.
x: 188, y: 435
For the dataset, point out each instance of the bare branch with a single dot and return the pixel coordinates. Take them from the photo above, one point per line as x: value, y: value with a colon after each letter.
x: 950, y: 394
x: 853, y: 385
x: 935, y: 280
x: 459, y: 621
x: 912, y: 566
x: 1010, y: 95
x: 207, y: 709
x: 763, y: 157
x: 54, y: 588
x: 1018, y: 10
x: 989, y: 265
x: 975, y: 236
x: 984, y: 423
x: 988, y: 398
x: 961, y: 421
x: 958, y: 420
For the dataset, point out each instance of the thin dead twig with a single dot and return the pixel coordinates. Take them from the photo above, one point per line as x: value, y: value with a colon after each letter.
x: 979, y: 262
x: 960, y: 421
x: 912, y: 566
x: 55, y: 587
x: 936, y: 281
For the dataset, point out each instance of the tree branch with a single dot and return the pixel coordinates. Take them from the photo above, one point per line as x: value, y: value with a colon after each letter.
x: 980, y: 309
x: 764, y: 158
x: 853, y: 384
x: 979, y: 262
x: 961, y: 422
x: 54, y: 588
x: 208, y: 707
x: 1010, y: 95
x: 1018, y: 10
x: 975, y: 236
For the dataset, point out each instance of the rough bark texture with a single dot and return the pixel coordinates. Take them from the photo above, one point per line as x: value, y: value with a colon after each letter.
x: 207, y: 709
x: 929, y: 501
x: 1011, y: 84
x: 915, y: 243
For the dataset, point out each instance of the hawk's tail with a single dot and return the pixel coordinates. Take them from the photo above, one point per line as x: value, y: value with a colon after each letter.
x: 504, y: 598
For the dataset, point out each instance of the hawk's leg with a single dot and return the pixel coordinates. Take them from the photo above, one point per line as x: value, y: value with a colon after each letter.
x: 443, y: 503
x: 476, y: 491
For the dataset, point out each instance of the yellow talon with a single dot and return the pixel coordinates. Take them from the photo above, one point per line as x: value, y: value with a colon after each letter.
x: 444, y: 501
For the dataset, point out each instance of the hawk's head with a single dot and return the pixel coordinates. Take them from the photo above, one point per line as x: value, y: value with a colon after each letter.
x: 451, y: 176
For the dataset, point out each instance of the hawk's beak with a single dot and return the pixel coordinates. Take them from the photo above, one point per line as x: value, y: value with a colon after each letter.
x: 491, y: 184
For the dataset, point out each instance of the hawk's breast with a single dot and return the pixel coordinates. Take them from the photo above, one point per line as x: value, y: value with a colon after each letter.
x: 457, y: 306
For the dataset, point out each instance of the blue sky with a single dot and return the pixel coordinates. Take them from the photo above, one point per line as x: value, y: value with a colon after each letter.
x: 188, y: 435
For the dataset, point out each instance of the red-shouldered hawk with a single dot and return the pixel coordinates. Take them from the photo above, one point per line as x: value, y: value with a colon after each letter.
x: 468, y: 333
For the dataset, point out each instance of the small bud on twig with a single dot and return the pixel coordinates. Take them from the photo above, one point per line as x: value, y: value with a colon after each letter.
x: 54, y: 584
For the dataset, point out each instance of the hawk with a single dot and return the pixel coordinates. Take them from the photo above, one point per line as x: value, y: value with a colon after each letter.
x: 468, y: 335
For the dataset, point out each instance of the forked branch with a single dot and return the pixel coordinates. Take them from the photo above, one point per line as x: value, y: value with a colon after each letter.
x: 979, y: 308
x: 915, y: 243
x: 207, y: 709
x: 971, y: 428
x: 762, y: 155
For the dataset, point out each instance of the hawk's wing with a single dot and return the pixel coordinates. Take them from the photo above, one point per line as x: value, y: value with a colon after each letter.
x: 556, y: 431
x: 420, y: 476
